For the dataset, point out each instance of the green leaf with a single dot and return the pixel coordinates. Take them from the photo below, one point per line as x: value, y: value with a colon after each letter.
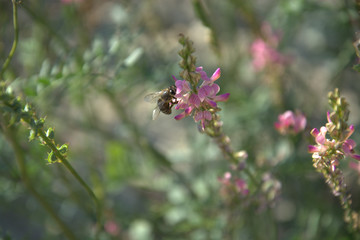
x: 357, y: 67
x: 51, y: 158
x: 50, y: 133
x: 32, y: 135
x: 44, y: 81
x: 63, y: 149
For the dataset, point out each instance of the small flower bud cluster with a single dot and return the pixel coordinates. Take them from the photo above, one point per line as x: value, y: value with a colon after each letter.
x: 202, y: 101
x: 232, y: 187
x: 332, y: 145
x: 270, y: 192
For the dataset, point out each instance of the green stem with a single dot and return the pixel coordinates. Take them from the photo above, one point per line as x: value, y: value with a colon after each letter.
x: 246, y: 170
x: 214, y: 130
x: 72, y: 171
x: 20, y: 160
x: 16, y: 37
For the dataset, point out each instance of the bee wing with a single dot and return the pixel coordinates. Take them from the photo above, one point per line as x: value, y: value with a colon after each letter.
x: 152, y: 97
x: 156, y: 113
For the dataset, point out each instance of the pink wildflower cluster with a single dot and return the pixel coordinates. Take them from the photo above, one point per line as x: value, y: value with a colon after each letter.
x: 290, y: 122
x: 331, y: 149
x: 233, y: 185
x: 263, y: 50
x: 200, y: 100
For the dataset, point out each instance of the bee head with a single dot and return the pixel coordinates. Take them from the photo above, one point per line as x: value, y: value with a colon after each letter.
x: 172, y: 90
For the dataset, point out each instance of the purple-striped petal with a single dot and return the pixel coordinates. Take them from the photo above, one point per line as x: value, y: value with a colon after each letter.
x: 194, y: 100
x: 204, y: 92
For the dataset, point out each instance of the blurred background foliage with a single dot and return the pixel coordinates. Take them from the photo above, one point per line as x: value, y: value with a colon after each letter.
x: 87, y: 64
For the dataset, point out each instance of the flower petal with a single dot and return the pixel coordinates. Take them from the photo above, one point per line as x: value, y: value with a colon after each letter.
x: 188, y: 110
x: 328, y: 117
x: 199, y: 69
x: 198, y: 116
x: 349, y: 132
x: 204, y: 92
x: 355, y: 156
x: 207, y: 115
x: 215, y: 89
x: 215, y: 75
x: 202, y: 74
x: 348, y: 148
x: 180, y: 116
x: 194, y: 100
x: 313, y: 149
x: 315, y: 132
x: 320, y: 138
x: 222, y: 97
x: 211, y: 103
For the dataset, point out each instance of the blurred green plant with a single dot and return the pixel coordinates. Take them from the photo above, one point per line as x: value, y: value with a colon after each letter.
x: 85, y: 66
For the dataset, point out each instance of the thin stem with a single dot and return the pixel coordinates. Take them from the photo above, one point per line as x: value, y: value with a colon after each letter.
x: 16, y: 38
x: 20, y: 160
x: 215, y: 131
x: 72, y: 171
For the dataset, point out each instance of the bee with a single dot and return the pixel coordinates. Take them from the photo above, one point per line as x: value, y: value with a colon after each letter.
x: 164, y: 99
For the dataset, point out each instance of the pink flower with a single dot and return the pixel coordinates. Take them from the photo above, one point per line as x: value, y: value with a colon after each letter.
x: 242, y: 186
x: 205, y: 78
x: 207, y: 94
x: 288, y: 122
x: 112, y: 228
x: 226, y: 179
x: 323, y: 144
x: 182, y: 87
x: 208, y: 89
x: 264, y: 51
x: 202, y: 116
x: 348, y: 148
x: 232, y: 185
x: 200, y: 100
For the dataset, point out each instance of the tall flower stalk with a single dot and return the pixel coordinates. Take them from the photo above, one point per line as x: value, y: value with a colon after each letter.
x: 198, y: 96
x: 332, y: 146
